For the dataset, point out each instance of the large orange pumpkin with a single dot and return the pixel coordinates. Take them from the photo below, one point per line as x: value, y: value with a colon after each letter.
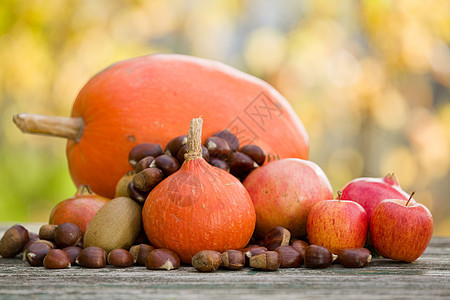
x: 152, y: 99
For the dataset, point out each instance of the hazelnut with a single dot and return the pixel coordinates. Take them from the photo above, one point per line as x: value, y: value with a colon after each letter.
x: 36, y: 252
x: 13, y: 241
x: 162, y: 259
x: 318, y: 257
x: 183, y: 151
x: 232, y: 140
x: 218, y: 163
x: 68, y: 234
x: 147, y: 179
x: 144, y: 163
x: 233, y: 259
x: 72, y: 252
x: 218, y: 147
x: 47, y: 232
x: 135, y: 194
x: 299, y: 245
x: 355, y: 257
x: 175, y: 144
x: 140, y: 151
x: 140, y: 253
x: 120, y: 258
x: 267, y: 261
x: 92, y: 257
x: 122, y: 184
x: 290, y: 258
x: 167, y: 164
x: 207, y: 260
x: 255, y: 153
x: 278, y: 236
x: 241, y: 164
x: 56, y: 259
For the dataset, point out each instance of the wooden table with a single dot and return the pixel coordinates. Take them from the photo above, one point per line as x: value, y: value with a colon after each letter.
x: 427, y: 278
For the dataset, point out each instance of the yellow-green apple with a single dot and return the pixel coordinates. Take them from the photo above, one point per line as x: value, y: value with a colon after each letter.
x: 369, y: 191
x: 337, y: 224
x: 283, y: 191
x: 400, y: 229
x: 79, y: 209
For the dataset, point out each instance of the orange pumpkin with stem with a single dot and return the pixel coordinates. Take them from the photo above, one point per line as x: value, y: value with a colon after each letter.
x: 151, y: 99
x: 199, y: 207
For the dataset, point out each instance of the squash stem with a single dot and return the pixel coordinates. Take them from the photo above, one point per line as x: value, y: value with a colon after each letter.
x: 69, y: 128
x: 194, y: 140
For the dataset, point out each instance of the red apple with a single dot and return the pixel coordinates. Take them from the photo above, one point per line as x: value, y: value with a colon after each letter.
x: 283, y: 191
x: 400, y: 229
x: 369, y: 191
x: 79, y: 209
x: 337, y: 224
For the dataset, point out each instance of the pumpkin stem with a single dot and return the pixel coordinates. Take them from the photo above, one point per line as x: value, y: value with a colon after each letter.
x: 194, y: 140
x: 69, y: 128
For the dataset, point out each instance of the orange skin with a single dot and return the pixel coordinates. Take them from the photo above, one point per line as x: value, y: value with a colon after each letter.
x: 79, y: 209
x: 153, y: 98
x: 401, y: 232
x: 197, y: 208
x: 283, y: 192
x: 337, y: 224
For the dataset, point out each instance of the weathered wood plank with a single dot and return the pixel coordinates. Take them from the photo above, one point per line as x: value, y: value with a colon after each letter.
x: 427, y: 278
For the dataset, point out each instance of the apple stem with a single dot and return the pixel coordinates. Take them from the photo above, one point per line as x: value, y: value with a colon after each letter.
x: 339, y: 194
x: 410, y: 197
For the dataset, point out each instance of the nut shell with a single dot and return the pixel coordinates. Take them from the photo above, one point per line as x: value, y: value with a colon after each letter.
x: 92, y: 257
x: 207, y: 260
x: 233, y: 259
x: 290, y: 258
x: 278, y: 236
x: 148, y: 178
x: 120, y: 258
x: 232, y: 140
x: 47, y: 232
x: 162, y: 259
x: 167, y: 164
x: 140, y: 253
x: 218, y: 147
x: 67, y: 234
x: 255, y: 152
x: 36, y: 252
x: 267, y: 261
x: 72, y: 252
x: 56, y: 259
x: 140, y: 151
x: 355, y: 257
x: 318, y: 257
x: 13, y: 241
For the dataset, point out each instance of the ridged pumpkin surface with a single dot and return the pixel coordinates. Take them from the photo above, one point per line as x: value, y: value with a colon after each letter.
x: 152, y: 99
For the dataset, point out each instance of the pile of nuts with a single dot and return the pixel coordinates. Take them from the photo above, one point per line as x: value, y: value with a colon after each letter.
x: 60, y: 246
x: 151, y: 164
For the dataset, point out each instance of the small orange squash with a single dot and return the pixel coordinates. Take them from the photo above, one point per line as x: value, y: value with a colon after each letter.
x: 199, y: 207
x: 151, y: 99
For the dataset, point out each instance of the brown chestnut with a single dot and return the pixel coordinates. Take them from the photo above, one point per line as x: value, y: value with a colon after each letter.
x: 267, y: 261
x: 147, y: 179
x: 167, y: 164
x: 318, y: 257
x: 144, y: 163
x: 299, y: 245
x: 72, y: 252
x: 36, y: 252
x: 120, y: 258
x: 355, y: 257
x: 47, y: 232
x: 175, y: 144
x: 56, y: 259
x: 67, y: 234
x: 140, y: 253
x: 289, y: 257
x: 91, y: 257
x: 218, y: 147
x: 207, y: 260
x: 13, y: 241
x: 140, y: 151
x: 219, y: 163
x: 255, y: 152
x: 278, y: 236
x: 233, y: 259
x: 162, y: 259
x: 135, y: 194
x: 241, y: 164
x: 232, y: 140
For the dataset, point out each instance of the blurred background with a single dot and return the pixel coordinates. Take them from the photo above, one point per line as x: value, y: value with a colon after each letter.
x: 369, y: 79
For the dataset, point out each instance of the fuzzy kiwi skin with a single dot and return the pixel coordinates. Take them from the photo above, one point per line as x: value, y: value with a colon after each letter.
x: 116, y: 225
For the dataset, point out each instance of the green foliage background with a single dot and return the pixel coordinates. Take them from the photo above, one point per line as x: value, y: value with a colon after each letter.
x: 369, y: 79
